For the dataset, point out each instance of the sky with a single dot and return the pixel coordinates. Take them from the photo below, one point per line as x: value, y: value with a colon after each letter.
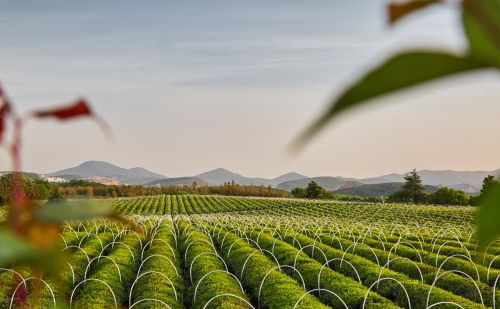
x: 189, y: 86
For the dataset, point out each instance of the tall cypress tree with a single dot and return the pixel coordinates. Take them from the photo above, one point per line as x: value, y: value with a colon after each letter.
x: 413, y: 189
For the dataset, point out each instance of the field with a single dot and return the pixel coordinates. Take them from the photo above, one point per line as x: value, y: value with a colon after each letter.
x: 233, y: 252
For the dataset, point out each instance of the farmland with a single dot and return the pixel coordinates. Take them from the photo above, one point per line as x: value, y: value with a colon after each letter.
x: 198, y: 251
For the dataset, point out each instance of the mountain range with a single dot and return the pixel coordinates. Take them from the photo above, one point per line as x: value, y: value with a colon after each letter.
x: 221, y: 175
x: 92, y: 169
x: 378, y: 189
x: 469, y: 181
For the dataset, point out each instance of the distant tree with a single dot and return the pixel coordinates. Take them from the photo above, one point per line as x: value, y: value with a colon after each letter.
x: 488, y: 182
x: 327, y: 195
x: 448, y: 196
x: 204, y: 189
x: 314, y: 190
x: 90, y: 192
x: 412, y: 190
x: 299, y: 192
x: 56, y: 196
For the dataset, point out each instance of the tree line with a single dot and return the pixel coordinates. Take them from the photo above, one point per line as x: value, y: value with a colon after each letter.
x: 412, y: 192
x: 315, y: 191
x: 39, y: 189
x: 86, y: 188
x: 34, y: 188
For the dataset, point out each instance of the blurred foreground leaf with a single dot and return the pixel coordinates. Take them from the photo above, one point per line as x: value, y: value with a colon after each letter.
x: 399, y: 72
x: 16, y: 250
x: 79, y: 108
x: 481, y: 23
x: 398, y: 10
x: 13, y: 248
x: 73, y: 210
x: 481, y: 20
x: 489, y: 216
x: 82, y: 210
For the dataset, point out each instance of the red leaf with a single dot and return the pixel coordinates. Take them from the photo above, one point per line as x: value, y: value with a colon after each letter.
x: 78, y: 109
x: 398, y: 10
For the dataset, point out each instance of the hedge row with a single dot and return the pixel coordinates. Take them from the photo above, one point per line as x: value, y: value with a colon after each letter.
x: 451, y: 248
x: 96, y: 293
x: 457, y: 284
x: 160, y: 276
x: 63, y: 284
x: 9, y: 280
x: 352, y: 292
x: 278, y: 290
x: 451, y: 264
x: 207, y: 272
x: 369, y: 273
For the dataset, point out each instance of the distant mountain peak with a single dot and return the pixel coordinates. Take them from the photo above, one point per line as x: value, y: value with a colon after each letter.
x: 95, y: 162
x: 139, y: 169
x: 220, y: 169
x: 94, y: 168
x: 221, y: 175
x: 327, y: 182
x: 292, y: 174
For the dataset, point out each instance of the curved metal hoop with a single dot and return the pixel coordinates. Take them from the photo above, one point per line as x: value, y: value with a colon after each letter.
x: 228, y: 295
x: 24, y: 282
x: 91, y: 279
x: 319, y: 290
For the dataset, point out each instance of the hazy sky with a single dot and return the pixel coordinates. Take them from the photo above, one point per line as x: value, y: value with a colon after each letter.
x: 189, y: 86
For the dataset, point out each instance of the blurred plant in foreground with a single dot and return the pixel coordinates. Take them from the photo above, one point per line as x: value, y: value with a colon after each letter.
x: 481, y: 24
x: 30, y: 236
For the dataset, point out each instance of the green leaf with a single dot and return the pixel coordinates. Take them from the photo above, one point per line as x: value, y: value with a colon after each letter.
x: 398, y: 10
x: 73, y: 210
x: 481, y: 20
x: 13, y: 248
x: 400, y: 72
x: 489, y: 216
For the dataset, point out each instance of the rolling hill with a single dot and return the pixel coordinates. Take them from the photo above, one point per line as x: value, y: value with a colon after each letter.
x: 177, y: 181
x: 221, y: 175
x: 286, y: 177
x: 378, y: 189
x: 437, y: 178
x: 327, y: 182
x: 89, y: 169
